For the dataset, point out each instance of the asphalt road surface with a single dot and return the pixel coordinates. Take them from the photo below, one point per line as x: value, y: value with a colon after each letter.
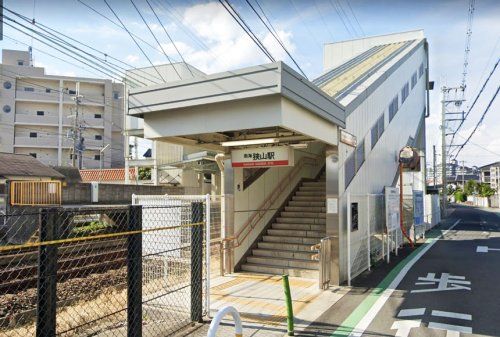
x: 449, y: 286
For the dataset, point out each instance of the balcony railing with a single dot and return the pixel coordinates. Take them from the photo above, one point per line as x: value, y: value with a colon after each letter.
x: 34, y: 119
x: 37, y: 95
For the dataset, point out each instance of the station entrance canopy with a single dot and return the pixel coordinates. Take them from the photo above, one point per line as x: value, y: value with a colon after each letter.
x: 269, y: 100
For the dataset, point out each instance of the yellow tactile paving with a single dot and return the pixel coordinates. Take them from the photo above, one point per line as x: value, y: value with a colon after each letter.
x: 345, y: 79
x: 260, y: 299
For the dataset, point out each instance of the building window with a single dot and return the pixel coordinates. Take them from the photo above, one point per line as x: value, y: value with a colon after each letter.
x: 393, y: 108
x: 97, y: 116
x: 20, y: 62
x: 413, y: 80
x: 381, y: 125
x: 33, y: 154
x: 421, y: 70
x: 98, y: 137
x: 350, y: 168
x: 116, y: 94
x: 7, y: 85
x: 405, y: 91
x: 33, y: 135
x: 72, y: 92
x: 360, y: 155
x: 29, y: 89
x: 6, y: 108
x: 97, y: 157
x: 374, y: 134
x: 40, y: 113
x: 48, y: 90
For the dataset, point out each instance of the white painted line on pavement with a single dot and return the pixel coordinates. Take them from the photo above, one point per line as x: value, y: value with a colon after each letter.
x: 450, y: 327
x: 448, y: 314
x: 404, y: 327
x: 450, y: 333
x: 370, y: 315
x: 411, y: 312
x: 485, y: 249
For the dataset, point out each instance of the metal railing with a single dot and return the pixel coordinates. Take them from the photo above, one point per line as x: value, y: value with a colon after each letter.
x: 35, y: 193
x: 324, y: 249
x: 266, y: 205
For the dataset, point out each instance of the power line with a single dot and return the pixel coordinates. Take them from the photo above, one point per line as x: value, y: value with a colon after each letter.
x: 323, y: 20
x: 355, y: 18
x: 475, y: 100
x: 239, y: 20
x: 479, y: 122
x: 339, y: 4
x: 133, y: 39
x: 341, y: 18
x: 272, y: 31
x: 480, y: 146
x: 105, y: 61
x: 171, y: 40
x: 154, y: 37
x: 66, y: 51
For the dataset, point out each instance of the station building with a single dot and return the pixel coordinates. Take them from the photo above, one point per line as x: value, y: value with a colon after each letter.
x: 291, y: 156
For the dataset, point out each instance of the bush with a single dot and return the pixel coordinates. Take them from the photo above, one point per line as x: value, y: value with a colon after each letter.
x: 460, y: 196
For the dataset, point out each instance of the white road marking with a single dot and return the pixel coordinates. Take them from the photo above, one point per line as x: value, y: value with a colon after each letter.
x: 450, y: 327
x: 370, y: 315
x: 403, y: 327
x: 445, y: 282
x: 485, y: 249
x: 448, y: 314
x: 450, y: 333
x: 411, y: 312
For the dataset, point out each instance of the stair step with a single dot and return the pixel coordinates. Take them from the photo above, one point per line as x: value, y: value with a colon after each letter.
x: 301, y: 220
x: 298, y: 233
x: 290, y: 239
x: 284, y: 246
x: 287, y: 254
x: 307, y: 203
x: 299, y: 226
x: 294, y: 272
x: 305, y: 209
x: 305, y: 213
x: 314, y: 183
x: 312, y: 188
x: 321, y: 193
x: 282, y: 262
x: 309, y: 198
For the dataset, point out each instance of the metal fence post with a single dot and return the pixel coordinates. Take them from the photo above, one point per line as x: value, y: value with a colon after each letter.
x: 208, y: 255
x: 196, y: 262
x: 47, y: 275
x: 134, y: 273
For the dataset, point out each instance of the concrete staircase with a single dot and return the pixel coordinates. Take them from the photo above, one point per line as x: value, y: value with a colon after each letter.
x: 286, y: 247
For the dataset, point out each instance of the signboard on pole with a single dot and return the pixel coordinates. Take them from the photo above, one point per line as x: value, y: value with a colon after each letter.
x: 263, y: 157
x: 418, y: 208
x: 391, y: 208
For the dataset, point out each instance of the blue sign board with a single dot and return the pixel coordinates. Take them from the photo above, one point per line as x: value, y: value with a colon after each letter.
x: 418, y: 208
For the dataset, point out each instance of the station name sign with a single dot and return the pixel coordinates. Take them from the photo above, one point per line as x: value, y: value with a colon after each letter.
x: 263, y: 157
x: 348, y: 138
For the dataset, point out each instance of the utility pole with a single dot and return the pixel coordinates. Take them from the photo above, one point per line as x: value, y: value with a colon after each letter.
x: 76, y: 132
x: 456, y: 114
x: 463, y: 174
x: 434, y: 165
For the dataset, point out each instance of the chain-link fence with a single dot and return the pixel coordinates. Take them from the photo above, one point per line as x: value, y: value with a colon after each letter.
x: 110, y: 271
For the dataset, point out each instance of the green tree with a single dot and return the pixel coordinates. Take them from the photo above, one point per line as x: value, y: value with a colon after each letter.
x: 460, y: 196
x: 144, y: 173
x: 485, y: 190
x: 471, y: 187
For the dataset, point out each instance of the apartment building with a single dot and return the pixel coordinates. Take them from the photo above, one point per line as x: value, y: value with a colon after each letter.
x: 490, y: 174
x: 39, y: 110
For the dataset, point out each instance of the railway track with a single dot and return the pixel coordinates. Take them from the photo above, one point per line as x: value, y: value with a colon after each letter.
x: 19, y: 272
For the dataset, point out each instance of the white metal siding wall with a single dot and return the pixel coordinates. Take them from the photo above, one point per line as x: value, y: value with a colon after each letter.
x: 380, y: 166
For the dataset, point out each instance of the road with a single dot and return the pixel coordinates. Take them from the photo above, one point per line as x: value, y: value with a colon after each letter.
x: 449, y: 286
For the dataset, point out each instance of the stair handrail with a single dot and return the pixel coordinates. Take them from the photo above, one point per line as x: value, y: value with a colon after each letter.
x: 259, y: 213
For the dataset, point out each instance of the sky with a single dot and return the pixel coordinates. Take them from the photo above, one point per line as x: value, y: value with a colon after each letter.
x: 207, y: 37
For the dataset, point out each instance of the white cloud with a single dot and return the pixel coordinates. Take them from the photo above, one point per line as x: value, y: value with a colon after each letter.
x: 132, y: 58
x: 229, y: 46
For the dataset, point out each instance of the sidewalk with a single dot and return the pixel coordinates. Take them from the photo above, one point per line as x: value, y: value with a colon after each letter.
x: 260, y: 301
